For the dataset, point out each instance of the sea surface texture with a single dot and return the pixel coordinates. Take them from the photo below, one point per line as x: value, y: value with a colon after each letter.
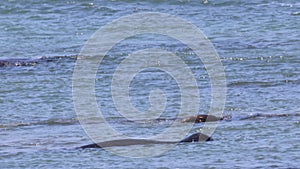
x: 258, y: 43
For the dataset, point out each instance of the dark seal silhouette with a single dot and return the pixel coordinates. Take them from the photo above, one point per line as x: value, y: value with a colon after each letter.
x: 196, y: 137
x: 202, y: 118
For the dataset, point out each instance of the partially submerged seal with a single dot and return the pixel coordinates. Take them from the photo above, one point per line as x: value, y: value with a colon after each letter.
x: 196, y: 137
x: 202, y: 118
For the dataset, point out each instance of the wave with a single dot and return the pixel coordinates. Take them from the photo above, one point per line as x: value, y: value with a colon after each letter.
x: 261, y: 115
x: 72, y: 121
x: 33, y: 62
x: 262, y: 83
x: 48, y: 122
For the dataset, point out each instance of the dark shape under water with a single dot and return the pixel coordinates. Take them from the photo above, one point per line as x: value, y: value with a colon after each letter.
x: 196, y: 137
x: 194, y: 119
x: 202, y: 118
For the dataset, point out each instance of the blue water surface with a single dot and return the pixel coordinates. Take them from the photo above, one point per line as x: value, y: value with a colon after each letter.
x: 258, y: 44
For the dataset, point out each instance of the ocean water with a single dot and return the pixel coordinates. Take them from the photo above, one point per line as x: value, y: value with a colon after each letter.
x: 257, y: 42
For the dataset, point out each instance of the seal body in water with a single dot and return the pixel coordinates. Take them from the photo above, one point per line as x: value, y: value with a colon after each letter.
x: 127, y: 142
x: 201, y: 118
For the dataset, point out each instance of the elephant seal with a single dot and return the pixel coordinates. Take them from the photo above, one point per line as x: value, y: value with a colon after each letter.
x: 202, y: 118
x: 127, y: 142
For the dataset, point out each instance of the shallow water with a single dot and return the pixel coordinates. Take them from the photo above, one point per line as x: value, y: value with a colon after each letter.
x: 258, y: 43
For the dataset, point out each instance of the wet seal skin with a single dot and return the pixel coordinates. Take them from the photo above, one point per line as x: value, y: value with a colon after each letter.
x: 196, y: 137
x: 202, y: 118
